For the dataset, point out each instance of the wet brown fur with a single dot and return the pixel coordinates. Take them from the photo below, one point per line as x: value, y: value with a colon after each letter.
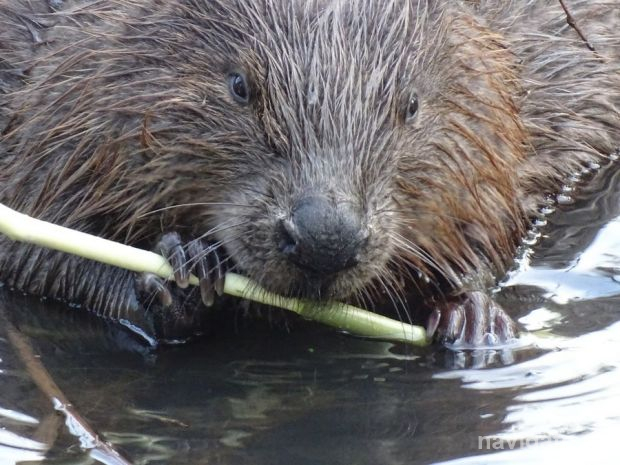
x: 116, y: 119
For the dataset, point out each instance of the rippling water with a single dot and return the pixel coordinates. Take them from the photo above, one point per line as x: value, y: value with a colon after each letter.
x: 311, y: 396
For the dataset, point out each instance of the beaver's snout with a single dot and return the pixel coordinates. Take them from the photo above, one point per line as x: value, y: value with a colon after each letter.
x: 321, y: 236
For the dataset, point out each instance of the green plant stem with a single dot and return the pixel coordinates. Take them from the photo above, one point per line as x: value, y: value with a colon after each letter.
x: 348, y: 318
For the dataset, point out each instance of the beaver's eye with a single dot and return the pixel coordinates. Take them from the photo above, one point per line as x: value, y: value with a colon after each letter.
x: 238, y: 87
x: 412, y: 108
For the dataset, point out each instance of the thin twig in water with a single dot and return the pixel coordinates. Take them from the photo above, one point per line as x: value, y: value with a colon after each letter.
x: 47, y: 431
x: 89, y: 439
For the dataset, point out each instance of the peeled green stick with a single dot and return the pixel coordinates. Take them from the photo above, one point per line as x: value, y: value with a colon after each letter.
x: 348, y: 318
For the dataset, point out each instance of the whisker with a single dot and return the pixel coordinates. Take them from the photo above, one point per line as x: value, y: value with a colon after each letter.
x: 405, y: 269
x: 195, y: 204
x: 204, y: 253
x: 415, y: 250
x: 396, y: 299
x: 223, y: 226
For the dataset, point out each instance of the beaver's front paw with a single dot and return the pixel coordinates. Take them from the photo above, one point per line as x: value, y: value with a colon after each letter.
x: 195, y: 257
x: 176, y: 311
x: 471, y: 319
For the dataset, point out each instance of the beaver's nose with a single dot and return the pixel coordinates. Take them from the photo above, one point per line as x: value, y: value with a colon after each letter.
x: 321, y: 236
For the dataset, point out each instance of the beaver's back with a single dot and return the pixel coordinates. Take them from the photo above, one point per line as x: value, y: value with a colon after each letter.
x: 572, y: 102
x: 27, y: 29
x: 16, y: 47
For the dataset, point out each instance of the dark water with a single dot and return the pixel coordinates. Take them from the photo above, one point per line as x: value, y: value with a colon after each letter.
x: 311, y: 396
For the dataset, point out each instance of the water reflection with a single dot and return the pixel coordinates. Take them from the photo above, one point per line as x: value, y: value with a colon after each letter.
x: 15, y: 448
x: 313, y: 397
x: 563, y: 401
x: 594, y: 272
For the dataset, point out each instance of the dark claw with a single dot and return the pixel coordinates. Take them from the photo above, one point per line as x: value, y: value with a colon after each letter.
x: 171, y: 247
x: 151, y: 284
x: 433, y: 323
x: 473, y: 319
x: 207, y: 293
x: 217, y: 272
x: 208, y: 268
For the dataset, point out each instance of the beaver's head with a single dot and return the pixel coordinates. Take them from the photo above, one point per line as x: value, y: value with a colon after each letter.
x: 350, y: 143
x: 357, y: 143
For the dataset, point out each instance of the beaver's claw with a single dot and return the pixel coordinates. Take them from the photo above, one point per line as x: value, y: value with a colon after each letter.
x: 209, y: 268
x: 472, y: 319
x: 196, y: 257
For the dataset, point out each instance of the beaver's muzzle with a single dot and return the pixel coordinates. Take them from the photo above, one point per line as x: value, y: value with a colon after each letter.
x: 321, y: 236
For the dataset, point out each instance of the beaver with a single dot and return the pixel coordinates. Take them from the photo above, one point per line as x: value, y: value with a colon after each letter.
x: 376, y: 151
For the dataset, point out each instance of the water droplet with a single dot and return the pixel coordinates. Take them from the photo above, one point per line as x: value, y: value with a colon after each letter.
x: 564, y: 199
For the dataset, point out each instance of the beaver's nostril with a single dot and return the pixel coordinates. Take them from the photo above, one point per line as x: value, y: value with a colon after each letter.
x: 321, y: 236
x: 287, y: 237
